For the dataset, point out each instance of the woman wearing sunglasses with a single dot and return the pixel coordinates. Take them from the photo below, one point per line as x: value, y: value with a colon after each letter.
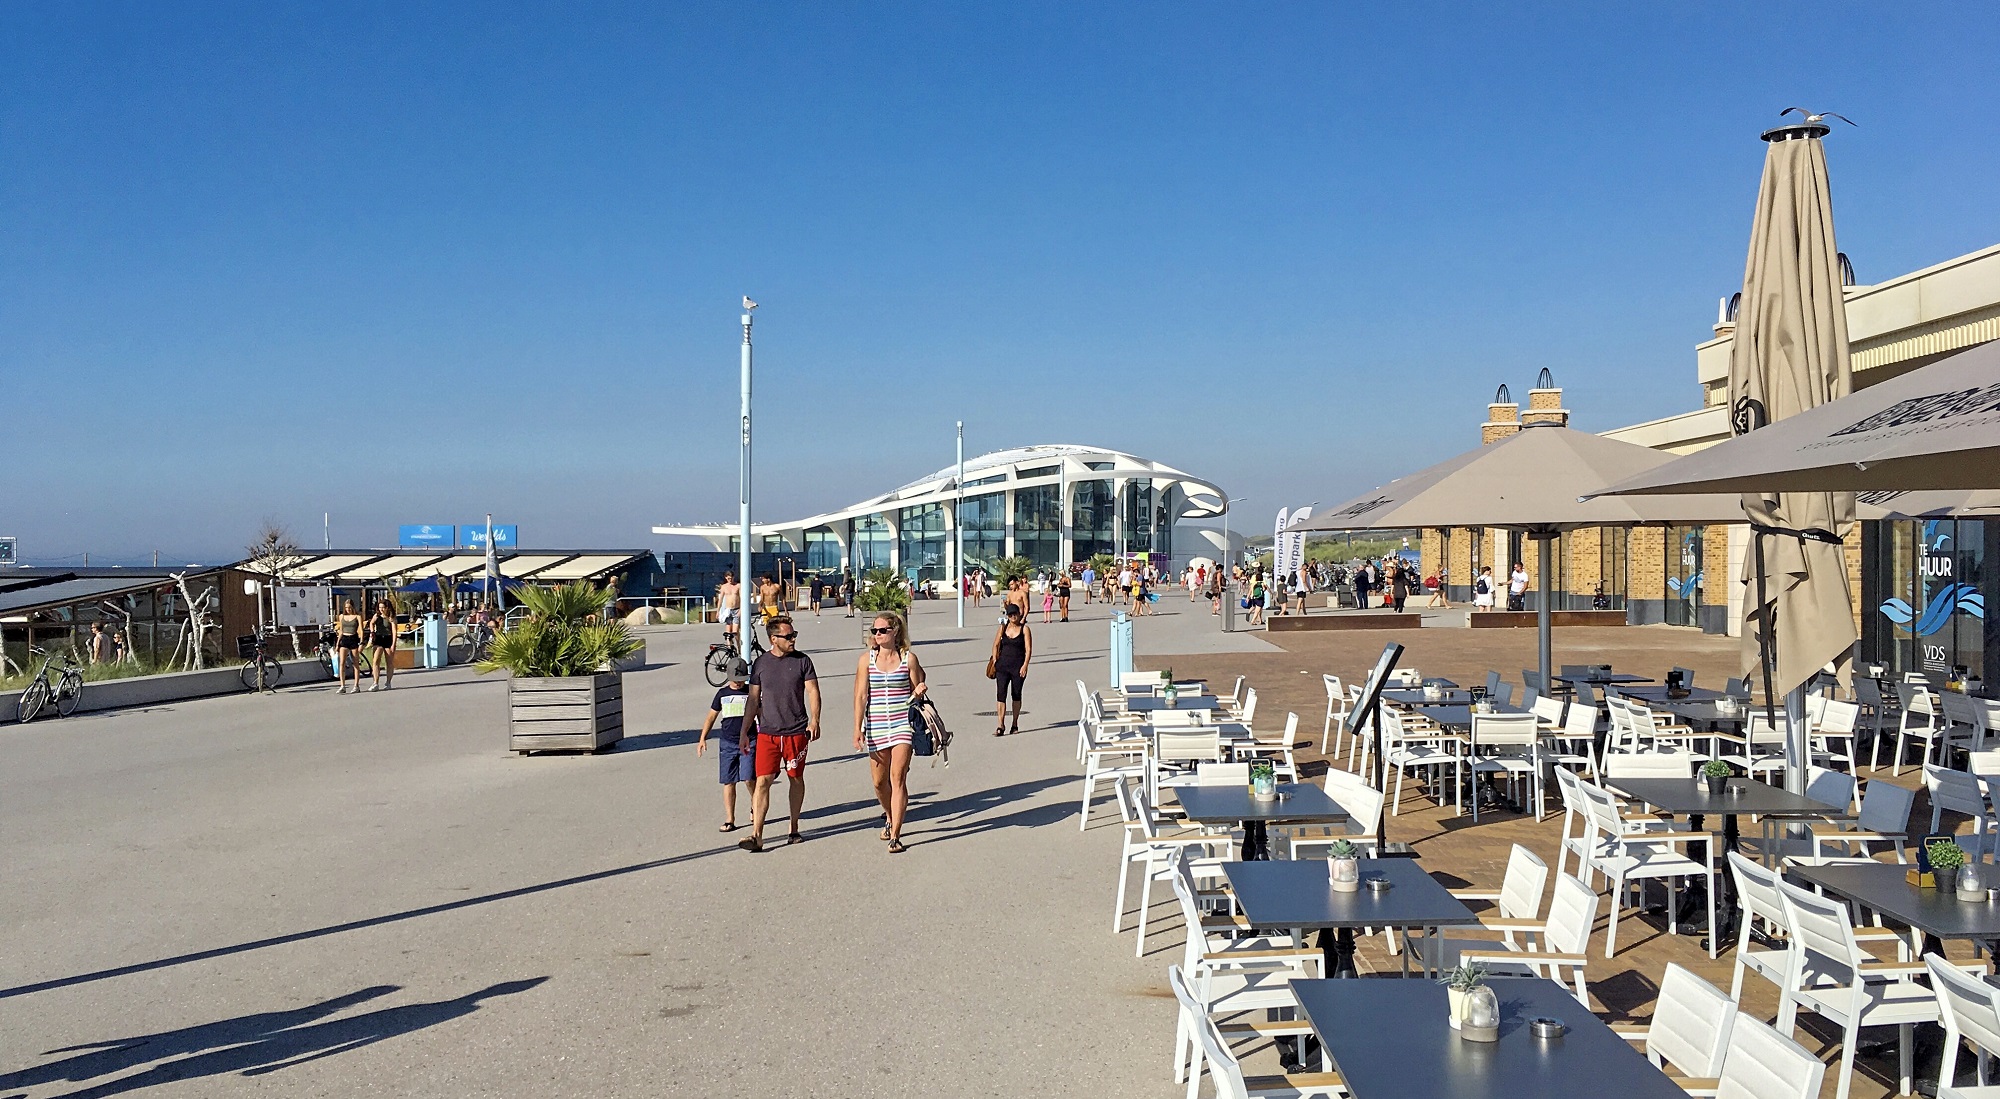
x: 886, y: 681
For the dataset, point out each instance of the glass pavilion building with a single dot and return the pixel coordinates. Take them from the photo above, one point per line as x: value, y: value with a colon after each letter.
x: 1052, y: 504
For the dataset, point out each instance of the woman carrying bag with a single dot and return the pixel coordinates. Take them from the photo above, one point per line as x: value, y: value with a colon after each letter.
x: 882, y: 698
x: 1013, y: 645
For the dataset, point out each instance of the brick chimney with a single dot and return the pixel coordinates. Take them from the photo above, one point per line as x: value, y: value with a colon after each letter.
x: 1503, y: 418
x: 1545, y: 402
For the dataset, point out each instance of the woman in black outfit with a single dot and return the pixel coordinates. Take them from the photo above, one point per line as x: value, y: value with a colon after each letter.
x: 1012, y: 647
x: 347, y: 644
x: 1399, y: 584
x: 382, y: 645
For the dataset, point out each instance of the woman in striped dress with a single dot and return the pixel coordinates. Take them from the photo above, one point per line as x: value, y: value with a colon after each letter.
x: 886, y: 680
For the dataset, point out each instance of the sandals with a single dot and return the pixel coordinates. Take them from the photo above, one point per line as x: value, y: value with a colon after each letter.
x: 999, y: 730
x: 727, y: 826
x: 752, y: 845
x: 795, y: 837
x: 896, y: 847
x: 1016, y: 728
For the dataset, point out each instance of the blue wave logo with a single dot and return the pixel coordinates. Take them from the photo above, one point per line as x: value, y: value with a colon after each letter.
x: 1947, y: 601
x: 1687, y: 589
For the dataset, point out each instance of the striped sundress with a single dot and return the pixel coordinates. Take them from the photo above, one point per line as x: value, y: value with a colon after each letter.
x: 889, y: 695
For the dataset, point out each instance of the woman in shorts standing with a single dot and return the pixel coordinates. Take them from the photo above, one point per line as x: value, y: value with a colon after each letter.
x: 1482, y: 589
x: 1062, y: 593
x: 382, y: 646
x: 347, y: 644
x: 1013, y: 645
x: 886, y: 681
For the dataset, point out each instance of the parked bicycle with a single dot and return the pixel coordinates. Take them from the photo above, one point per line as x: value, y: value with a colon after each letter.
x: 67, y: 690
x: 725, y: 652
x: 261, y: 671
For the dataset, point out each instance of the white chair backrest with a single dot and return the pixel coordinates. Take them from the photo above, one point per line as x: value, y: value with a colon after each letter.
x: 1886, y: 808
x: 1572, y: 911
x: 1174, y: 719
x: 1549, y: 710
x: 1338, y: 782
x: 1955, y: 790
x: 1760, y: 1063
x: 1983, y: 764
x: 1647, y: 765
x: 1521, y: 886
x: 1763, y: 732
x: 1837, y: 718
x: 1187, y: 745
x: 1971, y: 1006
x: 1825, y: 784
x: 1986, y: 713
x: 1336, y: 695
x: 1504, y: 731
x: 1133, y: 681
x: 1364, y: 809
x: 1957, y: 709
x: 1222, y: 774
x: 1291, y: 737
x: 1822, y: 936
x: 1572, y: 797
x: 1581, y: 722
x: 1223, y: 1068
x: 1691, y: 1024
x: 1235, y: 694
x: 1757, y: 891
x: 1916, y: 698
x: 1249, y: 706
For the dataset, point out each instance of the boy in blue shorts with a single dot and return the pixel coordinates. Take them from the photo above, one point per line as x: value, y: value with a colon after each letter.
x: 725, y: 719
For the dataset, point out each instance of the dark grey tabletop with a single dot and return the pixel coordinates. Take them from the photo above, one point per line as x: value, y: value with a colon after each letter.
x: 1452, y: 696
x: 1690, y: 795
x: 1460, y: 717
x: 1148, y: 703
x: 1603, y: 678
x: 1702, y: 712
x: 1298, y: 803
x: 1658, y: 693
x: 1389, y: 1040
x: 1885, y: 889
x: 1298, y: 893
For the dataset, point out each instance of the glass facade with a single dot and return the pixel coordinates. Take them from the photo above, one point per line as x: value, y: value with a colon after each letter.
x: 871, y: 543
x: 1924, y: 589
x: 1684, y: 581
x: 985, y: 519
x: 822, y: 550
x: 1138, y: 517
x: 920, y: 540
x: 1038, y: 525
x: 1093, y: 519
x: 1613, y: 553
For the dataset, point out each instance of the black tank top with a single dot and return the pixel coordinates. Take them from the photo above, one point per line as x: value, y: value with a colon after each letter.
x: 1013, y: 651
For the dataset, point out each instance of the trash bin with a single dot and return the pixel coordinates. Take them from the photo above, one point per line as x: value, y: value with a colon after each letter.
x: 435, y: 654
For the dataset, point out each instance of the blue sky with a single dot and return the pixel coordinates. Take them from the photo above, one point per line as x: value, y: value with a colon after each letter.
x: 408, y: 263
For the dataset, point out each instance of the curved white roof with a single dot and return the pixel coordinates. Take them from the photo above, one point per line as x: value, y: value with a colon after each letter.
x: 1002, y: 469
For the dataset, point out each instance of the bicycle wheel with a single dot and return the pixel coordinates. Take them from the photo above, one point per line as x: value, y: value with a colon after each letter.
x: 716, y: 667
x: 326, y: 660
x: 69, y: 692
x: 33, y: 699
x: 248, y: 673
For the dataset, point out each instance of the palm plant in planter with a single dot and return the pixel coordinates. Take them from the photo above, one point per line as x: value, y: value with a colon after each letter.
x: 564, y: 693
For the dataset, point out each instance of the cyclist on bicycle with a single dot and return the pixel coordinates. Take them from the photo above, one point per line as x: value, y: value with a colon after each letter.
x: 729, y: 597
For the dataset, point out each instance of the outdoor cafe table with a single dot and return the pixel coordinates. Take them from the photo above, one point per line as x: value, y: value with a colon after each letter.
x: 1298, y: 803
x: 1299, y: 893
x: 1146, y: 704
x: 1885, y: 889
x: 1390, y: 1040
x: 1658, y: 694
x: 1600, y: 679
x: 1414, y: 696
x: 1459, y: 718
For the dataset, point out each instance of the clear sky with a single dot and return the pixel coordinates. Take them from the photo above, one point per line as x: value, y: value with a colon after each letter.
x: 418, y: 262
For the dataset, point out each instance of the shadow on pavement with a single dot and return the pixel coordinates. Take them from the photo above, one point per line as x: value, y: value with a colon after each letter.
x: 259, y: 1044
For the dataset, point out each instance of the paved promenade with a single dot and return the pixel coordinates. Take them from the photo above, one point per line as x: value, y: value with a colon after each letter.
x: 318, y: 895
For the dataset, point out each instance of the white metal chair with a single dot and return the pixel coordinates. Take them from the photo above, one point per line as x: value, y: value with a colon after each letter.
x: 1517, y: 912
x: 1880, y: 713
x: 1831, y: 976
x: 1406, y: 750
x: 1833, y: 732
x: 1206, y: 1038
x: 1574, y: 744
x: 1335, y: 727
x: 1222, y: 774
x: 1364, y: 818
x: 1964, y: 726
x: 1278, y: 751
x: 1109, y: 756
x: 1958, y: 792
x: 1919, y: 721
x: 1970, y: 1009
x: 1757, y: 898
x: 1689, y: 1030
x: 1511, y: 745
x: 1141, y: 682
x: 1152, y: 850
x: 1885, y: 818
x: 1565, y: 941
x: 1361, y: 748
x: 1760, y: 1063
x: 1763, y: 746
x: 1627, y: 857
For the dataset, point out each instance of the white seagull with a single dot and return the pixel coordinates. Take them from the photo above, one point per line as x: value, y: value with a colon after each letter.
x: 747, y: 303
x: 1812, y: 118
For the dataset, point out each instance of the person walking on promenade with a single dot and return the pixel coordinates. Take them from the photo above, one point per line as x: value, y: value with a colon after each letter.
x: 729, y: 597
x: 347, y: 644
x: 1215, y: 592
x: 1255, y: 601
x: 847, y: 592
x: 1439, y: 595
x: 783, y: 711
x: 1482, y: 589
x: 1089, y: 584
x: 1399, y: 584
x: 1517, y: 588
x: 1361, y: 587
x: 1017, y: 597
x: 816, y: 590
x: 1013, y: 647
x: 382, y: 645
x: 769, y: 599
x: 1048, y: 600
x: 882, y: 699
x: 725, y: 719
x: 1062, y: 593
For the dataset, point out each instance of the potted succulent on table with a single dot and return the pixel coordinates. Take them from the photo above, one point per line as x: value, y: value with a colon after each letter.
x: 1475, y: 1010
x: 1343, y: 866
x: 1170, y: 692
x: 564, y: 693
x: 1947, y: 859
x: 1716, y: 774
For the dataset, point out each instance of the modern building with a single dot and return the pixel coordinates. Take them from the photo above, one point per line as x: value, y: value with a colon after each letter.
x: 1052, y: 504
x: 1922, y: 586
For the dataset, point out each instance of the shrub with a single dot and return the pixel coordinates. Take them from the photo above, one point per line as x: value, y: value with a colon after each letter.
x: 561, y: 635
x: 882, y: 590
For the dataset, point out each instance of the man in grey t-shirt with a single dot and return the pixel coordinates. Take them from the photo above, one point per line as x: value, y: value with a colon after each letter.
x: 783, y: 712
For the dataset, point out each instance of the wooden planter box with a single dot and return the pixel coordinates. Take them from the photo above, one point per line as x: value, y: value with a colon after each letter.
x: 583, y: 713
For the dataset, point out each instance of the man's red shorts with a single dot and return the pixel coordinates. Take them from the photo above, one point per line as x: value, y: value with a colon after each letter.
x: 787, y: 752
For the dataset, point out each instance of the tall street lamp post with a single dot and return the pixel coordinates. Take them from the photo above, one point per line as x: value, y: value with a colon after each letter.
x: 743, y: 583
x: 958, y: 522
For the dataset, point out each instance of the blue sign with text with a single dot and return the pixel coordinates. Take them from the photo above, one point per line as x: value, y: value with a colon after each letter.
x: 503, y: 537
x: 429, y: 535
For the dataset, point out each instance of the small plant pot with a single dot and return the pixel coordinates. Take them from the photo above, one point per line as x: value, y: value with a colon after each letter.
x: 1947, y: 881
x: 1456, y: 1001
x: 1717, y: 784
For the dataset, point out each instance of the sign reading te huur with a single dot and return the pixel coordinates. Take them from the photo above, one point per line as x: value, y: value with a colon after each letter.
x: 503, y: 537
x: 428, y: 535
x: 7, y: 551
